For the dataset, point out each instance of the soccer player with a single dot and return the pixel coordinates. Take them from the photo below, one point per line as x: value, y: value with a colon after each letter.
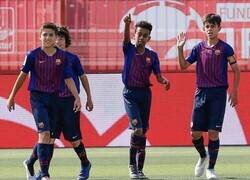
x: 138, y: 66
x: 47, y: 66
x: 68, y: 120
x: 212, y: 57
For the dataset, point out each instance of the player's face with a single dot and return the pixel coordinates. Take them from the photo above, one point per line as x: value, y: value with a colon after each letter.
x: 211, y: 30
x: 60, y: 42
x: 142, y: 36
x: 48, y: 38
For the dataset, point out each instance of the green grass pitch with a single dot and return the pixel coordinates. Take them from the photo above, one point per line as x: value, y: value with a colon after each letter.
x: 173, y: 163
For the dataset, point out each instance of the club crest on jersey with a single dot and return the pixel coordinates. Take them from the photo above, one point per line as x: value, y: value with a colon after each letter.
x: 217, y: 52
x: 58, y: 61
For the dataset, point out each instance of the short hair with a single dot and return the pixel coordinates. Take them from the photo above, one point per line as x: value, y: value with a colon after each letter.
x: 49, y: 25
x: 64, y: 32
x: 212, y: 18
x: 144, y: 24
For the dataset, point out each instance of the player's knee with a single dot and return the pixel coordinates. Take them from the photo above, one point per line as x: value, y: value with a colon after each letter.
x: 213, y: 135
x: 138, y: 132
x: 196, y: 135
x: 75, y: 143
x: 44, y: 137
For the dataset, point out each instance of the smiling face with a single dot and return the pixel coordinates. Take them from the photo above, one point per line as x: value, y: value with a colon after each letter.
x: 48, y: 37
x: 142, y: 36
x: 211, y: 30
x: 60, y: 42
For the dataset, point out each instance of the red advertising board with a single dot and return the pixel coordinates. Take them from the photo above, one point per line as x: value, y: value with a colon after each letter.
x: 107, y: 124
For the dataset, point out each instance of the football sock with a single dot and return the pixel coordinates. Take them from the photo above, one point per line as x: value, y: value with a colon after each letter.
x: 199, y: 145
x: 134, y: 144
x: 45, y: 152
x: 141, y: 153
x: 81, y: 152
x: 213, y: 149
x: 33, y: 157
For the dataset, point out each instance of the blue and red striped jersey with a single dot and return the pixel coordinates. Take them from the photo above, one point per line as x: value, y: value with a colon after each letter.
x: 77, y: 70
x: 138, y: 67
x: 46, y: 72
x: 212, y: 64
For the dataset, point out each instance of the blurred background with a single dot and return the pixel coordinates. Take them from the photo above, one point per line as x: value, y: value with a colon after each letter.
x: 96, y: 27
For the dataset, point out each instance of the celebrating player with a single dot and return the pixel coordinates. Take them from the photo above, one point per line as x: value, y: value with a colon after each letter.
x: 47, y: 66
x: 138, y: 66
x: 212, y: 57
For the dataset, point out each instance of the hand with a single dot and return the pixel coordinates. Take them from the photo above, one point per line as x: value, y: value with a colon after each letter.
x: 11, y: 104
x: 181, y: 39
x: 233, y: 98
x: 127, y: 19
x: 77, y: 105
x: 167, y: 85
x: 89, y: 105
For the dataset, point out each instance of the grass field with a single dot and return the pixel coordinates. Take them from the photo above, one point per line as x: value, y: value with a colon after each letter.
x: 175, y: 163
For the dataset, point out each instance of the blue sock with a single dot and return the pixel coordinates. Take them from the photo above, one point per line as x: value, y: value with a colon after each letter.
x: 33, y: 157
x: 213, y: 149
x: 141, y: 153
x: 199, y: 145
x: 81, y: 152
x: 45, y: 153
x: 133, y: 149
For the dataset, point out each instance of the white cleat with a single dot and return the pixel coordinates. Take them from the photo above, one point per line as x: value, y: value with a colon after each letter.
x: 133, y: 172
x: 28, y: 175
x: 210, y: 174
x: 200, y: 167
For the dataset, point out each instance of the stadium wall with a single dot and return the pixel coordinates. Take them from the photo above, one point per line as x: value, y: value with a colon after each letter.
x: 97, y: 26
x: 107, y: 124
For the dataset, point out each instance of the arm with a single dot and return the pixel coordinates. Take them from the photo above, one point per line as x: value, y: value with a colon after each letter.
x: 18, y: 84
x: 127, y: 21
x: 233, y: 97
x: 181, y: 39
x: 72, y: 87
x: 85, y: 84
x: 163, y: 81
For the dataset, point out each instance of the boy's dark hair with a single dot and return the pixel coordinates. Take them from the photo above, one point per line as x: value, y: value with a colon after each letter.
x: 212, y: 18
x: 64, y: 32
x: 49, y: 25
x: 144, y: 24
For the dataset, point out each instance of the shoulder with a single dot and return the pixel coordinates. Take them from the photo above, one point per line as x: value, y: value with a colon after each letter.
x: 225, y: 44
x: 151, y: 53
x: 71, y: 55
x: 33, y: 52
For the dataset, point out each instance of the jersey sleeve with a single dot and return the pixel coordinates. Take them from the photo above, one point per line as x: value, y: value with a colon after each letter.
x: 193, y: 55
x: 229, y: 51
x: 28, y: 63
x: 67, y: 70
x: 156, y: 64
x: 78, y: 67
x: 127, y: 46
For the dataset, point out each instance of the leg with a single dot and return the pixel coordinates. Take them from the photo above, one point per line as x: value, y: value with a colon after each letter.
x: 213, y: 147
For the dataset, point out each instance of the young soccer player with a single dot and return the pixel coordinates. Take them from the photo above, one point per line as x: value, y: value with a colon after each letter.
x: 212, y: 57
x: 47, y: 66
x: 138, y: 66
x: 68, y: 120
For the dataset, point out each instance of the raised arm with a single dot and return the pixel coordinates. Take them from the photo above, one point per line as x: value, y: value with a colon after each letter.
x: 233, y: 97
x: 18, y: 84
x: 85, y: 83
x: 127, y: 21
x: 181, y: 39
